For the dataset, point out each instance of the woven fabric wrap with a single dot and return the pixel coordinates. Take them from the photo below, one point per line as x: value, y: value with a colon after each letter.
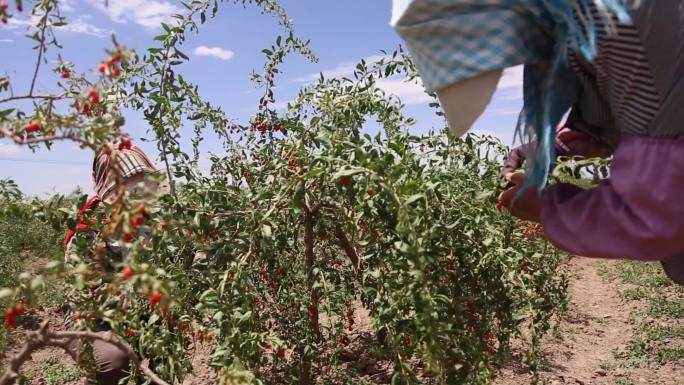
x: 125, y: 162
x: 452, y: 40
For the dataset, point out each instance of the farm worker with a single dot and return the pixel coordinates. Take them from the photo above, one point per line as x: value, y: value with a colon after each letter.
x: 133, y: 166
x: 618, y: 64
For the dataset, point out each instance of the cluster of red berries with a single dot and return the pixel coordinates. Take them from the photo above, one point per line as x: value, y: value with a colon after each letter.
x: 135, y: 220
x: 4, y: 16
x: 531, y: 230
x: 93, y: 100
x: 10, y: 313
x: 32, y: 126
x: 279, y: 352
x: 111, y: 67
x: 78, y: 316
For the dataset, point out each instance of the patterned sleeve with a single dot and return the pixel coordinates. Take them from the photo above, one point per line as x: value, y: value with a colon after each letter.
x: 452, y: 40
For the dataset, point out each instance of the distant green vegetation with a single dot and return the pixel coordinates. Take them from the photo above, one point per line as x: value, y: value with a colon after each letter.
x: 28, y: 238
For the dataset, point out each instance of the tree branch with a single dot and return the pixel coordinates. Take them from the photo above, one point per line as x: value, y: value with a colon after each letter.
x: 10, y: 134
x: 38, y: 339
x: 347, y: 247
x: 23, y: 97
x: 41, y: 48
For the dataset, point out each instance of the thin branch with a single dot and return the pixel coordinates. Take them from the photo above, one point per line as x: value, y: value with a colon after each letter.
x: 347, y: 247
x: 46, y: 97
x: 309, y: 223
x: 43, y: 337
x: 10, y: 134
x: 41, y: 48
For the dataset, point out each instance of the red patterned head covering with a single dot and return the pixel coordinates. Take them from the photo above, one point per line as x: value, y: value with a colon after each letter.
x: 127, y: 159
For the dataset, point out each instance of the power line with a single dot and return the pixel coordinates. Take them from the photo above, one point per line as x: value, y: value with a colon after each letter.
x: 43, y: 161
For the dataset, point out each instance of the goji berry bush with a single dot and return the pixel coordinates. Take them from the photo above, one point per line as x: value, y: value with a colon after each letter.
x: 302, y: 221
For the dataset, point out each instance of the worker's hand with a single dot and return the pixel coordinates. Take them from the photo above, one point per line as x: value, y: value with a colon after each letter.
x: 528, y: 205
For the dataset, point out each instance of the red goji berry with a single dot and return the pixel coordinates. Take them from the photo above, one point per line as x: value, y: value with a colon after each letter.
x: 32, y: 127
x: 280, y: 352
x: 94, y: 96
x: 156, y: 297
x: 9, y: 318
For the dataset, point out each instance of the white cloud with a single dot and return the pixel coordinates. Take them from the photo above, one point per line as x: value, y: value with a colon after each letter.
x: 9, y: 149
x: 408, y: 92
x: 512, y: 77
x: 217, y: 52
x: 147, y: 13
x: 67, y: 5
x: 6, y: 41
x: 498, y: 111
x: 78, y: 24
x: 341, y: 70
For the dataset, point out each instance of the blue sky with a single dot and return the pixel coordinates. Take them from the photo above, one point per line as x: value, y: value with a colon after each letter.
x: 222, y: 56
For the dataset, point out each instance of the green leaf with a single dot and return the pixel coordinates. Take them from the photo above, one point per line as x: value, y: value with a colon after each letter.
x: 415, y: 198
x: 6, y: 292
x: 347, y: 172
x: 266, y: 231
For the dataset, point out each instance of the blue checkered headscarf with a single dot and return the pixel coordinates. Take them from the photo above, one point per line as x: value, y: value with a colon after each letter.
x: 453, y: 40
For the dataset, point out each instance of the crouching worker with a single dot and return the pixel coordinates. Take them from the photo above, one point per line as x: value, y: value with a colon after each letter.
x: 133, y: 167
